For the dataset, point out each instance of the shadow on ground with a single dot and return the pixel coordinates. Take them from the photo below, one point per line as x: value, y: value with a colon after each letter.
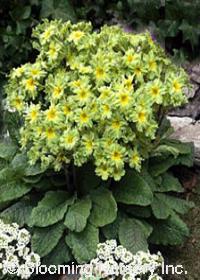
x: 188, y: 255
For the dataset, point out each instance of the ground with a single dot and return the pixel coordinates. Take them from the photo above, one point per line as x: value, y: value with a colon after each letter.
x: 188, y: 255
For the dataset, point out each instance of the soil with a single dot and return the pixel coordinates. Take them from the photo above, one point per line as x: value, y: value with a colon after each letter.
x: 188, y: 255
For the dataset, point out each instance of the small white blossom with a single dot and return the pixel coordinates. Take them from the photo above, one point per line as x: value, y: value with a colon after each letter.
x: 114, y: 262
x: 15, y: 256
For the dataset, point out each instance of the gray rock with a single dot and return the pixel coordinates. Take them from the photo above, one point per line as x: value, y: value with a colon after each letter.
x: 195, y: 73
x: 186, y: 130
x: 190, y: 92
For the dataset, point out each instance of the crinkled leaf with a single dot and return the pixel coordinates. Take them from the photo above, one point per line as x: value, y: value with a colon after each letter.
x: 44, y: 240
x: 104, y: 207
x: 169, y: 183
x: 160, y: 209
x: 77, y: 215
x: 13, y: 190
x: 111, y: 231
x: 132, y: 236
x: 83, y: 244
x: 181, y: 206
x: 172, y: 231
x: 19, y: 212
x: 133, y: 189
x: 59, y: 255
x: 159, y: 165
x: 51, y: 209
x: 7, y: 150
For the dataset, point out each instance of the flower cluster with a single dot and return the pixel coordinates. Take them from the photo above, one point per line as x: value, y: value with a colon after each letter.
x: 15, y: 255
x: 93, y: 96
x: 115, y: 262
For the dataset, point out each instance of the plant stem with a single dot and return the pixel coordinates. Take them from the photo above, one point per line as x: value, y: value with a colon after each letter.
x: 74, y: 178
x: 67, y: 176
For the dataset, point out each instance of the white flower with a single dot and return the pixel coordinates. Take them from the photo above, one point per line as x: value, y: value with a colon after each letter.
x: 14, y: 251
x: 155, y: 277
x: 32, y: 260
x: 115, y: 261
x: 23, y: 237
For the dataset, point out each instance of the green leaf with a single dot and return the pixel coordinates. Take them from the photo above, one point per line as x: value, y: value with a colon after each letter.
x: 166, y: 150
x: 13, y: 123
x: 181, y: 206
x: 32, y: 170
x: 169, y: 183
x: 77, y: 215
x: 19, y: 163
x: 83, y: 244
x: 7, y: 150
x: 133, y: 189
x: 111, y: 231
x: 58, y: 9
x: 172, y: 231
x: 132, y: 236
x: 59, y: 255
x: 165, y: 129
x: 160, y: 209
x: 139, y: 211
x: 51, y: 209
x: 7, y: 174
x: 147, y: 228
x: 104, y: 207
x: 13, y: 190
x: 44, y: 240
x: 19, y: 212
x: 148, y: 178
x: 160, y: 165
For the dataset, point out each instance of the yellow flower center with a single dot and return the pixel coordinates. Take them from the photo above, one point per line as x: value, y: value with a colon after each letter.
x: 155, y: 91
x: 52, y: 51
x: 99, y: 72
x: 135, y: 159
x: 106, y: 108
x: 33, y: 115
x: 69, y: 139
x: 138, y: 71
x: 47, y: 34
x: 116, y: 124
x: 35, y: 72
x: 130, y: 58
x: 176, y: 86
x: 57, y: 91
x: 142, y: 117
x: 76, y: 35
x: 67, y: 110
x: 152, y: 65
x: 50, y: 133
x: 116, y: 156
x: 128, y: 83
x: 84, y: 117
x: 83, y: 94
x: 51, y: 114
x: 30, y: 84
x: 18, y: 103
x: 89, y: 145
x: 124, y: 99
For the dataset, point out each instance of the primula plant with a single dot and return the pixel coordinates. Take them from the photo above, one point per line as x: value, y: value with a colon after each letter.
x: 93, y: 97
x: 93, y: 160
